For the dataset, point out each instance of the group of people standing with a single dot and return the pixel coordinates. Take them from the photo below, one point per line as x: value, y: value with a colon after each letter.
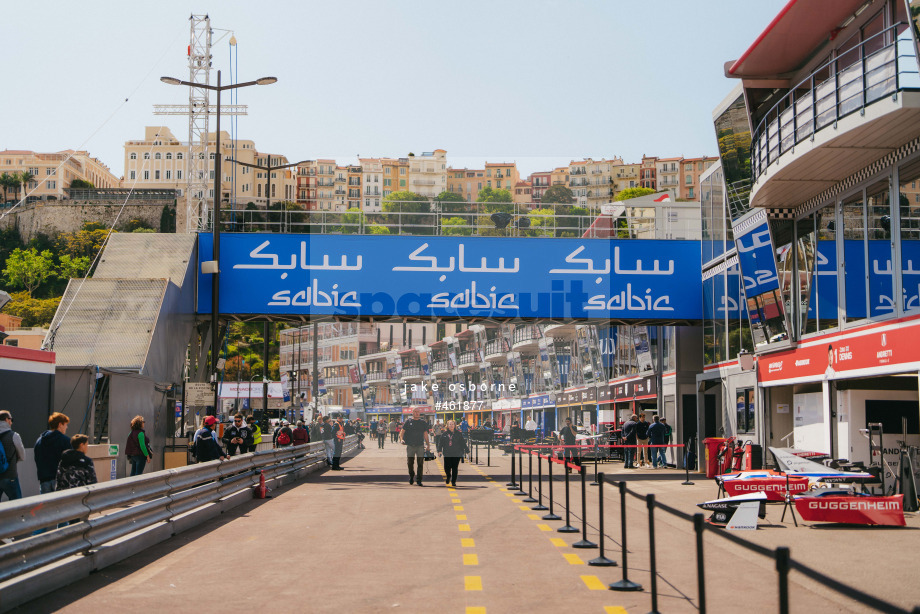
x: 641, y: 434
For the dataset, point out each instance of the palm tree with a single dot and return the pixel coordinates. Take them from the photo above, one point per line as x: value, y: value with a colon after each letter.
x: 23, y: 178
x: 7, y: 182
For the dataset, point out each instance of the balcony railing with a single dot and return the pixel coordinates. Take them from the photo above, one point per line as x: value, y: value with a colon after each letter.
x: 526, y: 333
x: 469, y: 358
x: 412, y: 372
x: 376, y: 376
x: 886, y: 64
x: 440, y: 365
x: 493, y: 347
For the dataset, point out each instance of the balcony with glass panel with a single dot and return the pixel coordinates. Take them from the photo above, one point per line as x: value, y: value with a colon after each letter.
x: 846, y: 114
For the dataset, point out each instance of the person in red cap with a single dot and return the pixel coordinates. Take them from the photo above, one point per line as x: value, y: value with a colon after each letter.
x: 205, y: 446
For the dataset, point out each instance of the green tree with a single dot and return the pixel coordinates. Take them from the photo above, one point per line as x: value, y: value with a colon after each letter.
x: 498, y: 200
x: 542, y: 223
x: 85, y: 242
x: 452, y: 202
x: 168, y: 219
x: 21, y: 180
x: 135, y: 225
x: 406, y: 202
x: 352, y: 222
x: 456, y: 227
x: 8, y: 182
x: 558, y: 194
x: 634, y: 193
x: 80, y: 184
x: 33, y: 311
x: 29, y: 268
x: 377, y: 229
x: 70, y: 267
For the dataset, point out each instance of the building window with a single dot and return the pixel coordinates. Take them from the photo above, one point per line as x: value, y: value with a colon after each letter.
x: 212, y: 156
x: 745, y: 410
x: 211, y: 174
x: 52, y: 185
x: 169, y: 174
x: 146, y: 156
x: 178, y: 156
x: 402, y: 183
x: 134, y: 156
x: 133, y: 175
x: 179, y: 174
x: 169, y: 156
x: 690, y: 192
x: 157, y: 156
x: 156, y: 175
x: 146, y: 175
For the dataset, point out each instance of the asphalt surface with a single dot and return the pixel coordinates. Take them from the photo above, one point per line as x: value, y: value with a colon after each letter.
x: 364, y: 540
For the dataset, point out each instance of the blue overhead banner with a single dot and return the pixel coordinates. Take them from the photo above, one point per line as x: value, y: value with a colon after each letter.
x: 380, y: 276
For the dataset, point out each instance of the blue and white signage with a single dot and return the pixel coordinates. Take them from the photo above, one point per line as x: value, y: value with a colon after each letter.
x: 454, y: 276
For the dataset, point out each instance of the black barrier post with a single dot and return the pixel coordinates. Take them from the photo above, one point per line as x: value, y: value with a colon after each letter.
x: 700, y: 569
x: 477, y: 452
x: 625, y: 584
x: 489, y: 454
x: 552, y: 514
x: 584, y: 543
x: 687, y: 449
x: 568, y: 528
x: 782, y: 568
x: 520, y: 491
x: 596, y: 453
x: 512, y: 483
x: 540, y: 507
x: 601, y: 561
x: 529, y: 498
x: 650, y: 502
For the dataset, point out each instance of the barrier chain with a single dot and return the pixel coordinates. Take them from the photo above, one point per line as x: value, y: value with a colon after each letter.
x: 552, y: 502
x: 568, y: 528
x: 539, y: 507
x: 529, y: 498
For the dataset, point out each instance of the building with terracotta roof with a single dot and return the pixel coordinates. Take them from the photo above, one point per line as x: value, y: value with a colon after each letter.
x: 52, y: 173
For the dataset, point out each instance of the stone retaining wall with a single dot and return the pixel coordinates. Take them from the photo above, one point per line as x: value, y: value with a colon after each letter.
x: 55, y: 217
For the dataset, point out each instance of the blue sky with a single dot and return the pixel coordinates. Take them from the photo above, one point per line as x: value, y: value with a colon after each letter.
x: 540, y: 82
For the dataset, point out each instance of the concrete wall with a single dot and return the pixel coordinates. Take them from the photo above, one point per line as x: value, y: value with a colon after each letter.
x: 56, y: 217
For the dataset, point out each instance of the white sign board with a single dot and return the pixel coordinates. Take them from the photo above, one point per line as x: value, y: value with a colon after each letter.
x: 199, y: 393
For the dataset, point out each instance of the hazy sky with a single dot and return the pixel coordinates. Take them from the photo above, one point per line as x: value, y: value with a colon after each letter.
x: 540, y: 82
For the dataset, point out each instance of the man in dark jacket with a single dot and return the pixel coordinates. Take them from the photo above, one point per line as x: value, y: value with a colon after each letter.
x: 568, y: 434
x: 237, y: 437
x: 629, y: 439
x: 15, y: 452
x: 452, y: 445
x: 204, y: 445
x: 76, y: 469
x: 339, y: 431
x: 642, y: 437
x: 48, y: 450
x: 657, y: 436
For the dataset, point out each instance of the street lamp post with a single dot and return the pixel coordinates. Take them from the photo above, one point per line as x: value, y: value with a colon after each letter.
x: 268, y: 168
x: 215, y: 224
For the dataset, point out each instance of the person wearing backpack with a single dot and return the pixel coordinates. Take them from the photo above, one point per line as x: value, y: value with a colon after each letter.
x: 301, y: 435
x: 205, y: 446
x: 48, y: 449
x: 284, y: 436
x: 138, y: 449
x: 11, y: 452
x: 76, y: 469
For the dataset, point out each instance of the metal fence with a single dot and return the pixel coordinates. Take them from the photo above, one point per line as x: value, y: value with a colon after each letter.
x: 662, y: 221
x: 85, y: 527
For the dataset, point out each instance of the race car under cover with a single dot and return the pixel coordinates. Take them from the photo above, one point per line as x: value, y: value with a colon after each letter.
x: 848, y: 507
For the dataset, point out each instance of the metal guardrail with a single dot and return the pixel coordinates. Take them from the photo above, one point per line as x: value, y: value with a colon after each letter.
x: 100, y: 514
x: 886, y: 64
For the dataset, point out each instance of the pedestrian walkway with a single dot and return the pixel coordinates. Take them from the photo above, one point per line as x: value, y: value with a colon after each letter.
x: 364, y: 540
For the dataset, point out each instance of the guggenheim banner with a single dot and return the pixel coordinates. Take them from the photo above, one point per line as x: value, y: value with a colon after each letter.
x: 497, y: 277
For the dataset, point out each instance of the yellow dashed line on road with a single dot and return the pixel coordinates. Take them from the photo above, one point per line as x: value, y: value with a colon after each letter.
x: 608, y: 609
x: 558, y: 542
x: 455, y: 500
x: 474, y: 583
x: 471, y: 559
x: 524, y: 508
x: 573, y: 559
x: 475, y: 610
x: 544, y: 527
x: 534, y: 516
x: 593, y: 583
x: 458, y: 508
x: 468, y: 542
x: 464, y: 527
x: 461, y: 517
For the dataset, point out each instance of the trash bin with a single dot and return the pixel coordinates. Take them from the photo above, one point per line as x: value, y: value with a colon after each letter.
x: 104, y: 458
x: 711, y: 445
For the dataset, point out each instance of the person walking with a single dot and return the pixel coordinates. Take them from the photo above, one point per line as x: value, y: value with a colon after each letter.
x: 138, y: 449
x: 340, y: 431
x: 301, y: 436
x: 328, y: 440
x: 76, y: 468
x: 256, y: 431
x: 629, y: 439
x: 452, y: 445
x: 414, y: 435
x: 667, y: 440
x: 316, y: 428
x: 14, y: 452
x: 568, y: 436
x: 283, y: 436
x: 394, y: 430
x: 642, y: 438
x: 205, y: 446
x: 657, y: 436
x: 237, y: 437
x: 465, y: 427
x: 381, y: 433
x: 48, y: 450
